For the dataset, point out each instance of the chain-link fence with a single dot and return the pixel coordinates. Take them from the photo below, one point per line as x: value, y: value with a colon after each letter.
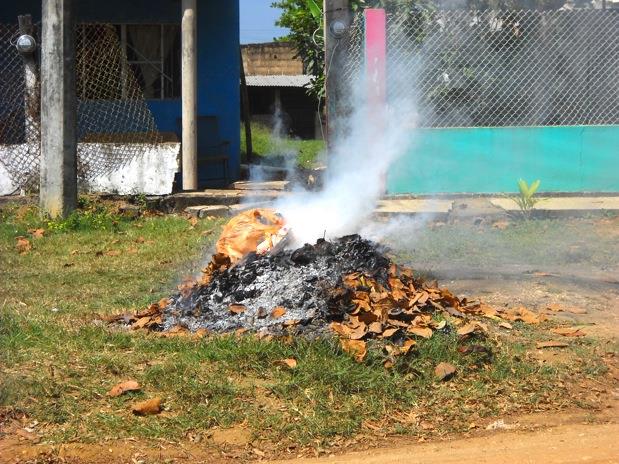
x: 114, y: 123
x: 501, y: 68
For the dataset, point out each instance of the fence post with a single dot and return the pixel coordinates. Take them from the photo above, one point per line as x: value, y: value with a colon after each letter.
x: 376, y: 74
x: 31, y: 100
x: 376, y: 60
x: 336, y: 20
x: 58, y: 189
x: 189, y: 70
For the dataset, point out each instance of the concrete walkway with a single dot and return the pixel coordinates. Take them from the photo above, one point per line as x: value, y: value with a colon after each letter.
x: 463, y: 207
x: 226, y: 203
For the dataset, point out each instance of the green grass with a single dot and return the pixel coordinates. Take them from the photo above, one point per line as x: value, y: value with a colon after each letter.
x: 306, y: 153
x: 57, y: 361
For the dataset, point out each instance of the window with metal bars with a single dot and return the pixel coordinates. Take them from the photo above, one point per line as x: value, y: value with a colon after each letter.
x: 153, y: 54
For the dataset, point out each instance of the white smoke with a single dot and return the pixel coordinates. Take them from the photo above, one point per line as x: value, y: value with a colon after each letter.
x: 357, y: 174
x: 279, y: 147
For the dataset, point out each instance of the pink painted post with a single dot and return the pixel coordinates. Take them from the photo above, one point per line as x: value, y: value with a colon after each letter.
x: 376, y: 74
x: 376, y: 58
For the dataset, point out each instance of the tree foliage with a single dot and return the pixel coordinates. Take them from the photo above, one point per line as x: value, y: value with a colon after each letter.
x: 304, y: 19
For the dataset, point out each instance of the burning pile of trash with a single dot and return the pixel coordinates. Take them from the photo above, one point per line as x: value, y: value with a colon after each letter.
x: 347, y: 285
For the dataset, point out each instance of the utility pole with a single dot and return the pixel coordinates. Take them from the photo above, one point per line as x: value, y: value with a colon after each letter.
x: 58, y: 189
x: 337, y: 17
x: 189, y: 70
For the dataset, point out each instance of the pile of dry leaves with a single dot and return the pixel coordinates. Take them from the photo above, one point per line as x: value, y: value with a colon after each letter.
x: 405, y: 308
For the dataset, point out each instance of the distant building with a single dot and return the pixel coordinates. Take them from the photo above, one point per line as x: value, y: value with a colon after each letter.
x: 276, y: 79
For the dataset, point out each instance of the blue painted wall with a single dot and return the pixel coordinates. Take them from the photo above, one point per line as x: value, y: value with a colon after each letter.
x: 492, y: 159
x: 218, y: 57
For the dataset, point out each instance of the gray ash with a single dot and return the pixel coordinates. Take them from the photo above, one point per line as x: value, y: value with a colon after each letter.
x: 302, y: 281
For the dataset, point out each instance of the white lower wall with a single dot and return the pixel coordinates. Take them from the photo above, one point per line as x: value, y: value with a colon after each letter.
x: 151, y: 172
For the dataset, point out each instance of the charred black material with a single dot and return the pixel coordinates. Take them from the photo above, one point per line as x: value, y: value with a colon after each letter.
x: 301, y: 281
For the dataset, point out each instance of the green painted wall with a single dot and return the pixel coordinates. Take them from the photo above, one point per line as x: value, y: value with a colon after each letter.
x: 492, y: 159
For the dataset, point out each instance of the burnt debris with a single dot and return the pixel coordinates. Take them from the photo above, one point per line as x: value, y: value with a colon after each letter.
x: 302, y: 283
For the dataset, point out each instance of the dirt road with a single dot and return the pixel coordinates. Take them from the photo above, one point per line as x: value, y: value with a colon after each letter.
x: 564, y: 444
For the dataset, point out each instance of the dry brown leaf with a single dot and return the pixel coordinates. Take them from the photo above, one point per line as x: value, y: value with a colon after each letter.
x: 444, y: 371
x: 362, y: 305
x: 523, y: 314
x: 424, y: 332
x: 407, y: 345
x: 237, y: 308
x: 555, y: 307
x: 141, y: 322
x: 501, y: 224
x: 357, y: 348
x: 488, y: 311
x: 37, y: 233
x: 375, y: 328
x: 278, y: 312
x: 467, y: 329
x: 290, y: 363
x: 568, y: 331
x: 112, y: 253
x: 340, y: 329
x: 23, y: 245
x: 551, y: 344
x: 506, y: 325
x: 388, y: 363
x: 390, y: 332
x: 193, y: 221
x: 147, y: 408
x: 123, y: 387
x: 423, y: 298
x: 529, y: 317
x: 358, y: 332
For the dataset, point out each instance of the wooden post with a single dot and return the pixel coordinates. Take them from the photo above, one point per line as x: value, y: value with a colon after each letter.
x: 58, y: 189
x: 335, y: 54
x: 189, y: 69
x: 246, y: 112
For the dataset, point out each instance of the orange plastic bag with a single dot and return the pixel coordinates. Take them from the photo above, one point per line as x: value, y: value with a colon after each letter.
x: 246, y: 231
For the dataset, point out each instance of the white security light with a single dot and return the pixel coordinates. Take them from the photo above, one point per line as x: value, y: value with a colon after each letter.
x: 337, y: 28
x: 26, y: 44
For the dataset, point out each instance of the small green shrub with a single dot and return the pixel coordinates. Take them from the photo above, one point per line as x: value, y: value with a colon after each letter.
x: 526, y: 199
x: 88, y: 216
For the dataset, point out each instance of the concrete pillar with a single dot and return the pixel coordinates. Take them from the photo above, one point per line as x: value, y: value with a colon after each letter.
x: 58, y: 189
x: 335, y: 12
x: 189, y: 67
